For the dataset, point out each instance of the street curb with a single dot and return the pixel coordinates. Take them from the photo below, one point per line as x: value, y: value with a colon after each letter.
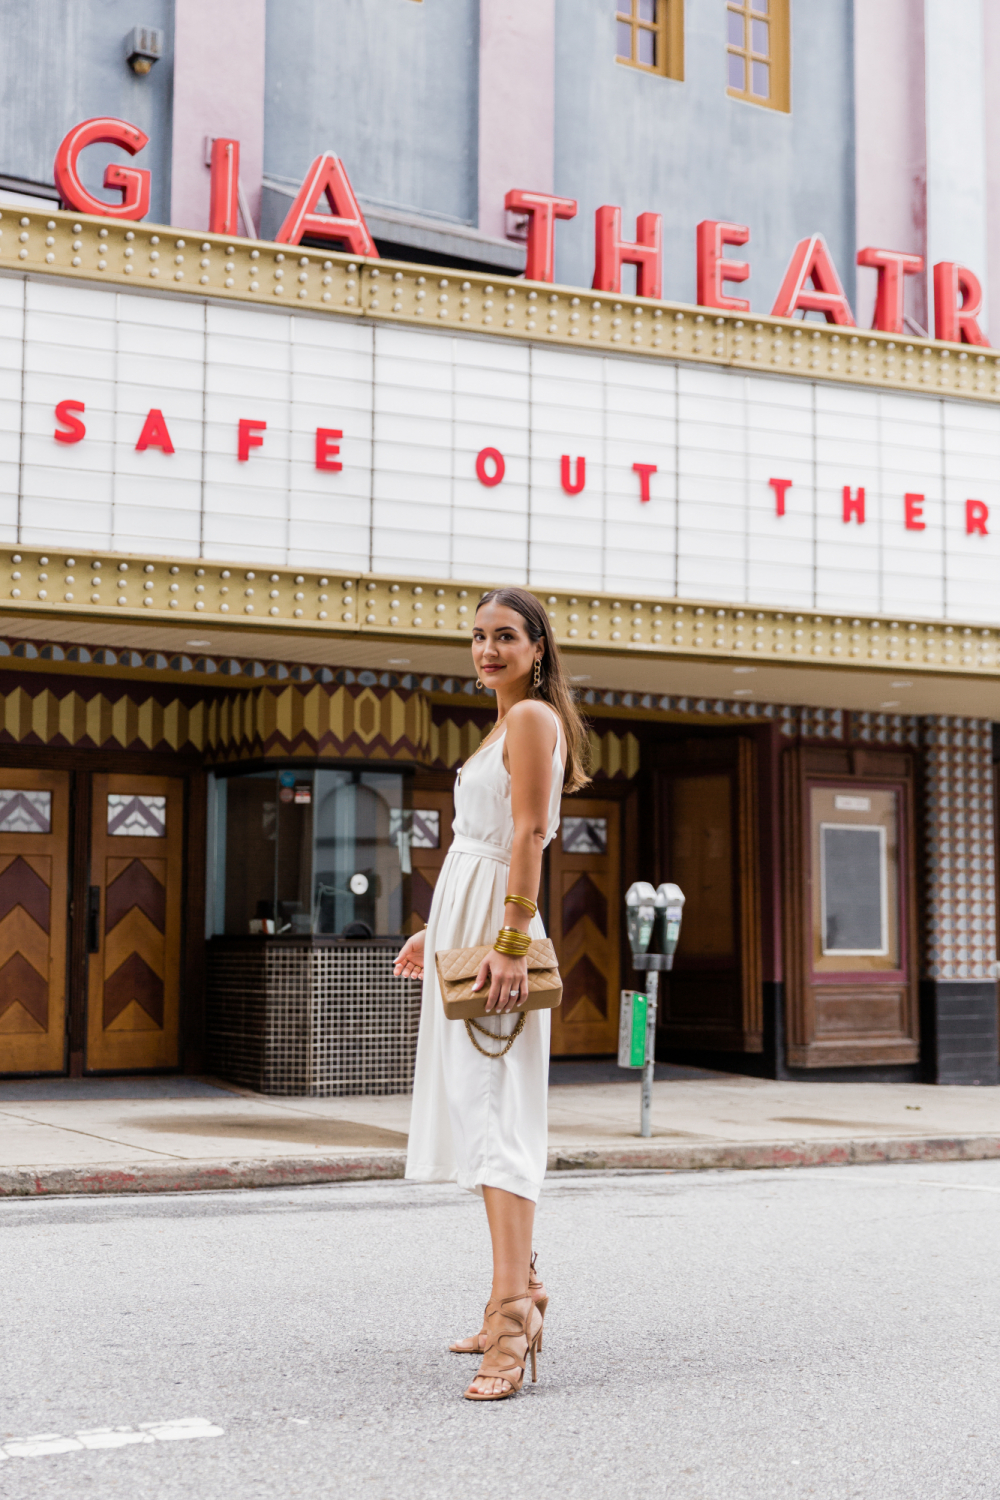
x: 382, y: 1166
x: 753, y: 1155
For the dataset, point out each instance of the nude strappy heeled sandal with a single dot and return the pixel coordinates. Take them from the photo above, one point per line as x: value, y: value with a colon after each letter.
x: 476, y: 1342
x: 510, y: 1321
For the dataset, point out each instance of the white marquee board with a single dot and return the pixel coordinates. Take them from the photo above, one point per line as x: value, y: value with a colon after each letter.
x: 416, y: 407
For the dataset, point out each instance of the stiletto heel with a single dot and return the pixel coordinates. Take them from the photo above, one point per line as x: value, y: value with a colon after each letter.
x: 536, y: 1289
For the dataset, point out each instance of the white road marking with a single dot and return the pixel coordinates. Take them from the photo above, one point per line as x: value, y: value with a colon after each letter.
x: 112, y: 1437
x: 109, y: 1437
x: 181, y: 1427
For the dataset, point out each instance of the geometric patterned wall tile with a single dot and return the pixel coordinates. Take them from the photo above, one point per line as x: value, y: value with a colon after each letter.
x: 960, y: 936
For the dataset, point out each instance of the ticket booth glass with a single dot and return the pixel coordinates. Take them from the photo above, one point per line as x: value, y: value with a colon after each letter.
x: 311, y: 850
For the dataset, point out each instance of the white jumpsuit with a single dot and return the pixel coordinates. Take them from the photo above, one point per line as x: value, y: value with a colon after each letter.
x: 480, y: 1121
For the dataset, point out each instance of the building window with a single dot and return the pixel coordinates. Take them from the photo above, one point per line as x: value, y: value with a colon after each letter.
x: 310, y: 850
x: 757, y: 55
x: 650, y: 36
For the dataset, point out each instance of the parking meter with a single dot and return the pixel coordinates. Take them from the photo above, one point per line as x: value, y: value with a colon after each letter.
x: 653, y: 919
x: 667, y: 928
x: 640, y: 916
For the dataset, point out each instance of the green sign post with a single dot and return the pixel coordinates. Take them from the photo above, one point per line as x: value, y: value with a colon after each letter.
x: 632, y: 1029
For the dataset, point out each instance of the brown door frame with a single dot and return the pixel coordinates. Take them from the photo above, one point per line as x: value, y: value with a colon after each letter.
x: 739, y: 753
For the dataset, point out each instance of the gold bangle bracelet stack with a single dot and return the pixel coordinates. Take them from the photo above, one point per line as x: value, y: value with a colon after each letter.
x: 513, y: 942
x: 530, y: 906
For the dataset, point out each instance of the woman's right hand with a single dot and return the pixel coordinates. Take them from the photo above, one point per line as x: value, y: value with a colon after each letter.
x: 409, y: 961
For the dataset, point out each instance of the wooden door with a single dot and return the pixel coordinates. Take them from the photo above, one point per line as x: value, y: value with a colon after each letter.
x: 433, y: 813
x: 850, y: 908
x: 34, y: 871
x: 134, y: 922
x: 585, y: 925
x: 708, y: 846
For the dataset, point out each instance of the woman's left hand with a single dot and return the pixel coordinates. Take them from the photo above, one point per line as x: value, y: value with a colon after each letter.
x: 508, y: 980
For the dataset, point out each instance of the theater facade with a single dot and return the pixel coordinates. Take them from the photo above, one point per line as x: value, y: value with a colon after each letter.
x: 249, y: 495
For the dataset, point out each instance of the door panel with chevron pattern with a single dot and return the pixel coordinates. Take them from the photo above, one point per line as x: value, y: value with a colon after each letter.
x: 34, y: 865
x: 133, y: 992
x: 433, y: 813
x: 584, y: 918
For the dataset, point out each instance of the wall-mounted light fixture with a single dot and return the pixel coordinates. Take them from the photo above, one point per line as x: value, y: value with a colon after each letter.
x: 143, y: 47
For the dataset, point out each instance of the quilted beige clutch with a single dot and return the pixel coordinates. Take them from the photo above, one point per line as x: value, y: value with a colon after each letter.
x: 457, y: 969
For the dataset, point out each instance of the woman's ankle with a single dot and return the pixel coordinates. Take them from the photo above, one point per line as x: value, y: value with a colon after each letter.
x: 505, y: 1287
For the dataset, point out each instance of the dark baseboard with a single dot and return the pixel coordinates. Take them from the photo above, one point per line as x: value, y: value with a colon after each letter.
x: 958, y: 1025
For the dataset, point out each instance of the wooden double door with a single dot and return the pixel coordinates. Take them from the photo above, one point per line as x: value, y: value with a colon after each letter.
x: 91, y: 872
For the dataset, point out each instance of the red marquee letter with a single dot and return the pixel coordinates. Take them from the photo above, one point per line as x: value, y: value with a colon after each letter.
x: 643, y: 471
x: 224, y: 202
x: 250, y: 430
x: 327, y: 447
x: 977, y: 513
x: 490, y: 456
x: 913, y: 512
x: 892, y: 266
x: 74, y: 429
x: 134, y: 184
x: 713, y: 270
x: 854, y: 505
x: 571, y: 487
x: 542, y: 210
x: 958, y: 300
x: 811, y: 261
x: 779, y: 486
x: 612, y: 252
x: 154, y: 433
x: 345, y: 226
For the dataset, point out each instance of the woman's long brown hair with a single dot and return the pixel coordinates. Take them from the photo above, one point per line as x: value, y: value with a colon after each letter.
x: 554, y: 687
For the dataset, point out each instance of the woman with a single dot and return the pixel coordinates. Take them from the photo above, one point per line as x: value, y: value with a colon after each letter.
x: 480, y: 1088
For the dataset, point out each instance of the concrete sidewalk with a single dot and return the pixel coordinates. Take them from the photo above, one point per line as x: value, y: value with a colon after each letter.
x: 183, y: 1134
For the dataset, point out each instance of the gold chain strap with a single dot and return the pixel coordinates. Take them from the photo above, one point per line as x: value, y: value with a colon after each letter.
x: 508, y: 1041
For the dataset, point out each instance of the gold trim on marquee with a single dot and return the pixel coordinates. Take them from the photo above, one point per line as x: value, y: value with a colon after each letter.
x: 190, y: 262
x: 190, y: 592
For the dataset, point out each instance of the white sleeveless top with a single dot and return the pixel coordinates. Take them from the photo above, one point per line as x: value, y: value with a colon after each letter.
x: 484, y: 823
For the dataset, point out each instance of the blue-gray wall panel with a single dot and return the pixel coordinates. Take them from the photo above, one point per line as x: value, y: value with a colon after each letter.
x: 391, y: 86
x: 63, y: 61
x: 688, y: 151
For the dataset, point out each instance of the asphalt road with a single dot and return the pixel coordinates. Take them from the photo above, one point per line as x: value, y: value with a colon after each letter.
x: 833, y: 1332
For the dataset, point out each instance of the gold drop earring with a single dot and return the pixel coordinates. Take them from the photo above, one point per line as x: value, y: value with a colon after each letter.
x: 538, y: 672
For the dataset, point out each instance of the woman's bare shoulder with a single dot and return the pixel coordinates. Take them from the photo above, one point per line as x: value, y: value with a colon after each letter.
x: 532, y: 719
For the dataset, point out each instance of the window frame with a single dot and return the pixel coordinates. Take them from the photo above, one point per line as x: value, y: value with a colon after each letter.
x: 779, y: 59
x: 669, y: 31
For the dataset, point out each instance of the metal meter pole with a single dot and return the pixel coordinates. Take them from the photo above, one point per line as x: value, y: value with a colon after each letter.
x: 646, y: 1113
x: 652, y: 965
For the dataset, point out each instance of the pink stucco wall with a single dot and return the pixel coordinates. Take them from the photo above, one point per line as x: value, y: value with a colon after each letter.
x: 516, y: 103
x: 890, y: 142
x: 218, y: 91
x: 991, y: 64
